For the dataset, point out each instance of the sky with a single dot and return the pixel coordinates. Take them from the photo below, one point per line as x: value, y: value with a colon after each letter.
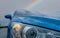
x: 46, y: 7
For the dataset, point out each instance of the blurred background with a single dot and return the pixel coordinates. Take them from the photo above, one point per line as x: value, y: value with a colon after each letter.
x: 49, y: 8
x: 46, y: 7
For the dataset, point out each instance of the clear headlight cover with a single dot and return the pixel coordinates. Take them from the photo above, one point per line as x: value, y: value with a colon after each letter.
x: 20, y: 30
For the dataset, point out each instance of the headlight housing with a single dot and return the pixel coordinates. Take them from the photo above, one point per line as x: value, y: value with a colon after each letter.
x: 20, y: 30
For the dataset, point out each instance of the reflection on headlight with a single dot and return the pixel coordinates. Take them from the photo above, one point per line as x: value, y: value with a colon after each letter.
x: 16, y: 28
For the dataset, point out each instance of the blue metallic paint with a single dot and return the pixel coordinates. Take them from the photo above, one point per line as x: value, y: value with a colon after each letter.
x: 38, y: 21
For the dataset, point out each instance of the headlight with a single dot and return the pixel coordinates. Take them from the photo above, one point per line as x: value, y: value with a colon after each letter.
x: 29, y: 32
x: 20, y: 30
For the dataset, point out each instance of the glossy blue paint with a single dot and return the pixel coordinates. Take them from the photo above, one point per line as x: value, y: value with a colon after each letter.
x: 33, y: 20
x: 38, y: 21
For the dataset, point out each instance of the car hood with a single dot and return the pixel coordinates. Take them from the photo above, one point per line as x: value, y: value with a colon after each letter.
x: 39, y: 21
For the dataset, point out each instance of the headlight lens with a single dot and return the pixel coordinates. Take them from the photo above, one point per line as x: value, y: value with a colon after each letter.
x: 20, y: 30
x: 29, y: 32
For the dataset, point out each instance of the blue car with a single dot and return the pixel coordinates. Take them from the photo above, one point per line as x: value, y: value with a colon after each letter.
x: 25, y: 24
